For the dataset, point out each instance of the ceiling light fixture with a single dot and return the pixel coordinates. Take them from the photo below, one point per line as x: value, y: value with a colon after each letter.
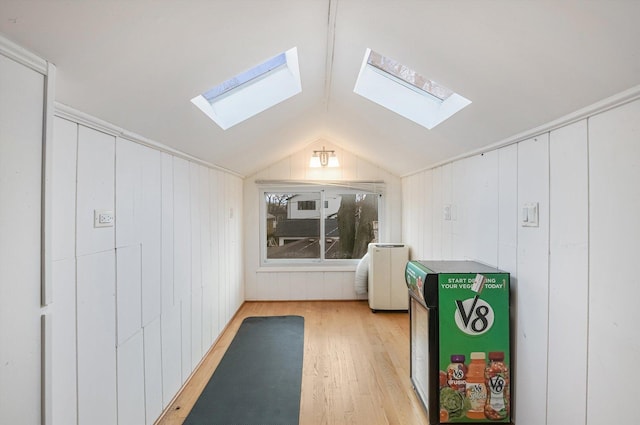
x: 324, y: 158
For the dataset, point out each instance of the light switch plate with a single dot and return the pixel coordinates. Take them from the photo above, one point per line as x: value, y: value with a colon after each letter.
x: 446, y: 214
x: 103, y: 218
x: 530, y: 214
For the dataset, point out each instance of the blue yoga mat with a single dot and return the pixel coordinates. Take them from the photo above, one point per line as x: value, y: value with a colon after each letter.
x: 258, y: 379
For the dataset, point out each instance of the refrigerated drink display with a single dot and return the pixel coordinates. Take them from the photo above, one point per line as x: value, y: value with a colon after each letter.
x: 460, y: 346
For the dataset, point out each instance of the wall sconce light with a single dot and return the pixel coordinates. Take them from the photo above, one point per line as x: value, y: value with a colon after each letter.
x: 324, y: 158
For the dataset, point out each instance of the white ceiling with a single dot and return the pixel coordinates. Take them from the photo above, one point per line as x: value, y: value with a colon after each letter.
x: 137, y: 64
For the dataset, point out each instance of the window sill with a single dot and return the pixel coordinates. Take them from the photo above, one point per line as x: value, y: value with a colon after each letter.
x: 306, y: 268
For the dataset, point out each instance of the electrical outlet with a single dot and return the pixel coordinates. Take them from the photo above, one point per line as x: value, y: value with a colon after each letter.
x: 103, y: 218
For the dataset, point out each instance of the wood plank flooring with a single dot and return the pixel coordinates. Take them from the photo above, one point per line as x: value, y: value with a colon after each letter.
x: 355, y: 370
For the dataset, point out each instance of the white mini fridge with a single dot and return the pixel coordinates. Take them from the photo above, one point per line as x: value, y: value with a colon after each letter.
x: 386, y: 283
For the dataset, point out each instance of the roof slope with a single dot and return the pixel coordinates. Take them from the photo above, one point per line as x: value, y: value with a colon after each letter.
x: 137, y: 64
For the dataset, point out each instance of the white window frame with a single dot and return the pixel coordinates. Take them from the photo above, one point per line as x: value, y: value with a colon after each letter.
x: 311, y: 188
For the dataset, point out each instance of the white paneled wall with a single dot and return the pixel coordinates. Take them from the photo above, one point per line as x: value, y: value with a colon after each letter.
x: 568, y: 244
x: 146, y: 296
x: 21, y: 129
x: 263, y: 283
x: 95, y: 190
x: 532, y: 285
x: 96, y: 325
x: 64, y: 352
x: 573, y: 291
x: 614, y: 232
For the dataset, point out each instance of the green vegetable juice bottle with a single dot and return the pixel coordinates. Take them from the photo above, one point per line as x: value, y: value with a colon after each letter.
x: 497, y: 381
x: 476, y: 388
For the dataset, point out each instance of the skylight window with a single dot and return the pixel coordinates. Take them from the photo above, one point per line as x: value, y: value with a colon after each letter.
x: 252, y: 91
x: 405, y: 91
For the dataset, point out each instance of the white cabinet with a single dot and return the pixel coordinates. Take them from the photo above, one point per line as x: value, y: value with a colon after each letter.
x: 387, y: 288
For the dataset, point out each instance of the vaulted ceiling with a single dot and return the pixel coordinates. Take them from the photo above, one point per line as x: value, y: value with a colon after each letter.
x: 137, y: 64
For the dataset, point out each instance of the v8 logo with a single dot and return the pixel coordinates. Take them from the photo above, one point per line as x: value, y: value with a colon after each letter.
x: 474, y: 316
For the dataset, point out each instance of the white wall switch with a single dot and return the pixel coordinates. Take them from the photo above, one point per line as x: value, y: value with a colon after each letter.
x: 530, y: 214
x: 446, y: 214
x: 103, y: 218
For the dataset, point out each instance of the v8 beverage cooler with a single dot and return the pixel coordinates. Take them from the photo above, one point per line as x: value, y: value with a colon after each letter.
x: 460, y: 345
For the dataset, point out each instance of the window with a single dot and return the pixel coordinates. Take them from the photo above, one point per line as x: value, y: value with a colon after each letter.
x: 295, y: 231
x: 252, y: 91
x: 307, y: 205
x: 406, y: 92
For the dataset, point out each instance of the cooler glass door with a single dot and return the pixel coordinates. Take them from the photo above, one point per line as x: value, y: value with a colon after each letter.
x: 420, y: 350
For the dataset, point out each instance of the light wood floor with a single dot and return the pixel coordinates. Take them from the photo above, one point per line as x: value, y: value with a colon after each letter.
x: 355, y: 370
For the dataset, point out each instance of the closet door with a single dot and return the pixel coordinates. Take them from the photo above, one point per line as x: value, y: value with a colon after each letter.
x: 21, y: 117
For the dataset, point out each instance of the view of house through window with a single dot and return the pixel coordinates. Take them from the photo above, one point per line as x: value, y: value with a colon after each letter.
x: 297, y: 228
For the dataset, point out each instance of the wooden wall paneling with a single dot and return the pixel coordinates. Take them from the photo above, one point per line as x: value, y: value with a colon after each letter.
x: 508, y: 214
x: 614, y: 231
x: 258, y: 291
x: 238, y: 257
x: 96, y: 339
x: 297, y: 288
x: 508, y: 217
x: 131, y: 397
x: 214, y: 199
x: 392, y: 231
x: 280, y: 169
x: 532, y: 285
x: 426, y: 215
x: 460, y: 215
x: 181, y: 229
x: 128, y: 178
x: 482, y: 208
x: 348, y: 163
x: 95, y: 190
x: 196, y: 265
x: 205, y: 250
x: 366, y: 170
x: 197, y: 348
x: 64, y: 388
x: 235, y: 218
x: 333, y: 285
x: 345, y: 285
x: 417, y: 204
x: 407, y: 223
x: 170, y: 328
x: 447, y: 199
x: 568, y: 275
x: 436, y: 205
x: 63, y: 181
x: 167, y: 278
x: 128, y: 292
x: 182, y: 257
x: 21, y: 129
x: 223, y: 248
x: 315, y: 286
x: 278, y: 286
x: 152, y: 338
x: 269, y: 288
x: 186, y: 334
x: 299, y: 164
x: 149, y: 219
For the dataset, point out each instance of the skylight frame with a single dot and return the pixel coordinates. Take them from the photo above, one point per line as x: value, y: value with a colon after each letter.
x: 259, y: 88
x: 402, y: 96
